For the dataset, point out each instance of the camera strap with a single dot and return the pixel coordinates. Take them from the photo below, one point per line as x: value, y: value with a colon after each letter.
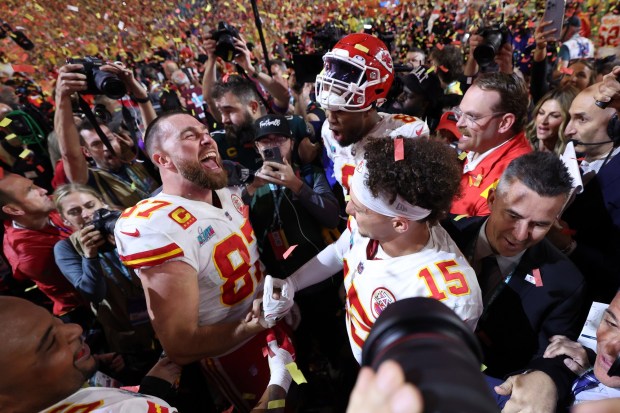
x: 91, y: 117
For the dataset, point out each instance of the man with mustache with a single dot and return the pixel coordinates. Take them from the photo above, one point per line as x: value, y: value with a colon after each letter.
x: 490, y: 118
x: 195, y: 251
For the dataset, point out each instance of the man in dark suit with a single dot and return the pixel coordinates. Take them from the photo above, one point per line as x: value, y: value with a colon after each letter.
x: 590, y: 233
x: 530, y: 290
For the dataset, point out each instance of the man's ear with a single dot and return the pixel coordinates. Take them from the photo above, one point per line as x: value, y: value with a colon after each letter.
x: 400, y: 224
x: 491, y: 198
x: 11, y: 209
x: 254, y: 107
x: 508, y: 120
x: 162, y: 161
x: 85, y: 151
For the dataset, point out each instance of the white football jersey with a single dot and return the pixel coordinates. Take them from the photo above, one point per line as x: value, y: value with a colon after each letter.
x: 346, y: 158
x: 439, y: 271
x: 218, y: 243
x: 109, y: 400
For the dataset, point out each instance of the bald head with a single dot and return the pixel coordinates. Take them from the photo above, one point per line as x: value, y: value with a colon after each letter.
x: 588, y: 124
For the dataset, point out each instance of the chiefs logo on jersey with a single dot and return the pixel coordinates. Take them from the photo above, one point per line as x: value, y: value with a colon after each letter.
x: 380, y: 299
x: 237, y: 203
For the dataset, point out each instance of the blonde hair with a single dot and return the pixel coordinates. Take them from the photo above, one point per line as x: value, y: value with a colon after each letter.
x: 67, y: 189
x: 564, y: 96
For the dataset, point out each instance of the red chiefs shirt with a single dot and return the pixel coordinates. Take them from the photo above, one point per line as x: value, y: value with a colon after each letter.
x: 475, y: 184
x: 31, y: 255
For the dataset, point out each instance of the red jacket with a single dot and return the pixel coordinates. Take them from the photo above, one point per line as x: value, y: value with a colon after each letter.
x: 31, y: 255
x: 475, y: 184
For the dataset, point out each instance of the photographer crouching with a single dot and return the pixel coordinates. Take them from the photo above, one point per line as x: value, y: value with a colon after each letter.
x: 89, y: 260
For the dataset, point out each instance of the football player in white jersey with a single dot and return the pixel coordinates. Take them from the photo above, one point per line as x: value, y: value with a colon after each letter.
x: 195, y: 251
x: 356, y: 77
x: 393, y: 247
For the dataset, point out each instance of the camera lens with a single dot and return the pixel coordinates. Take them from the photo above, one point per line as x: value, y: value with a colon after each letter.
x: 485, y: 53
x: 437, y: 351
x: 109, y: 84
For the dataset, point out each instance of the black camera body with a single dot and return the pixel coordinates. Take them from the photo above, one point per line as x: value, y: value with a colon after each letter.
x: 494, y: 37
x: 437, y: 351
x: 99, y: 81
x: 104, y: 220
x: 224, y: 41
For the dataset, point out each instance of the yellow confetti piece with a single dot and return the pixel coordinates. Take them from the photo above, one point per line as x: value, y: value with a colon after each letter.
x: 430, y: 69
x: 241, y: 7
x: 460, y: 217
x: 25, y: 153
x: 483, y: 367
x: 10, y: 137
x: 276, y: 404
x: 361, y: 48
x: 5, y: 122
x: 29, y: 17
x: 177, y: 40
x: 133, y: 186
x: 296, y: 374
x: 38, y: 8
x: 208, y: 8
x: 97, y: 15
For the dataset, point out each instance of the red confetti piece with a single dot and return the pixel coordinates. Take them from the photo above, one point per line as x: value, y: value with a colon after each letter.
x: 537, y: 277
x: 439, y: 46
x: 443, y: 68
x: 40, y: 168
x: 289, y: 251
x: 399, y: 149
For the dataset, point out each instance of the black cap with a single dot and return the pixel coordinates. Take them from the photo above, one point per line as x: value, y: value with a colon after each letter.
x: 572, y: 21
x: 271, y: 124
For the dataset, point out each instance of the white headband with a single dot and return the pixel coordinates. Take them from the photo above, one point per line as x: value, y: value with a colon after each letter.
x: 399, y: 208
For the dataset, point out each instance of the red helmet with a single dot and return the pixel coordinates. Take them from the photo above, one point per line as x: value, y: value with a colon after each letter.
x: 357, y: 72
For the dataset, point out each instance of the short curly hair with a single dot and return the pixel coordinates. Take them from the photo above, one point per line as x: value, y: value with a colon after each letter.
x: 428, y: 176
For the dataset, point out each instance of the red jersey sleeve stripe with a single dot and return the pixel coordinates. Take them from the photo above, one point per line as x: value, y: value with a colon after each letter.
x: 152, y: 257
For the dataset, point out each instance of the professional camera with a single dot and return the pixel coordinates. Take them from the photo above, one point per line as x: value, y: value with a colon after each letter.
x: 224, y: 41
x: 100, y: 82
x: 493, y: 39
x: 104, y: 220
x: 437, y: 352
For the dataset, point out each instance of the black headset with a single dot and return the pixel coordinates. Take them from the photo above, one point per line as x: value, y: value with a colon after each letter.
x: 613, y: 129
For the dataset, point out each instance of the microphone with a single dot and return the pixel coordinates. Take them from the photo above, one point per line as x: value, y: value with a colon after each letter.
x: 237, y: 173
x: 578, y: 142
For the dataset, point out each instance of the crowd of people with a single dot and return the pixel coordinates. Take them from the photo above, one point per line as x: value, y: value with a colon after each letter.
x: 201, y: 226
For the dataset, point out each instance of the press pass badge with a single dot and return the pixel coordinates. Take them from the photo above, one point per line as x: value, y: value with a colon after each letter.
x: 278, y: 242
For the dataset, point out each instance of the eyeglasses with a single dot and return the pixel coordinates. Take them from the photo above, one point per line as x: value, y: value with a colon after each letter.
x: 271, y: 142
x: 472, y: 120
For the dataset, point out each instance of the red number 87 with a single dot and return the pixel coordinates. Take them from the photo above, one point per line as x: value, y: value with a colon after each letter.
x: 233, y: 263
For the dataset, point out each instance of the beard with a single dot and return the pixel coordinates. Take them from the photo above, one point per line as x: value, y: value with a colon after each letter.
x: 240, y: 134
x: 195, y: 173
